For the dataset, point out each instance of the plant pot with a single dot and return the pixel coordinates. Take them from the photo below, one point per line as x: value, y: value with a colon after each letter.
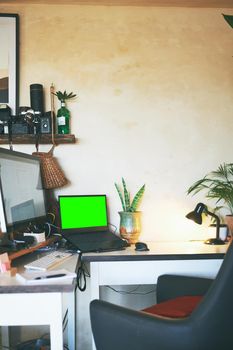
x: 130, y: 225
x: 229, y: 222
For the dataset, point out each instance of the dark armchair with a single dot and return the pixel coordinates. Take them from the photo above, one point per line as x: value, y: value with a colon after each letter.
x: 208, y: 327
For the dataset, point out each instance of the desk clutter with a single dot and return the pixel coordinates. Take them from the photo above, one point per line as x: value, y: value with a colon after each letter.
x: 48, y: 261
x: 33, y: 119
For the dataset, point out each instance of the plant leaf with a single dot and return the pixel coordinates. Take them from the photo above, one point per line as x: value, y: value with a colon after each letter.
x: 62, y: 96
x: 218, y: 185
x: 137, y: 198
x: 121, y: 197
x: 126, y: 195
x: 229, y: 19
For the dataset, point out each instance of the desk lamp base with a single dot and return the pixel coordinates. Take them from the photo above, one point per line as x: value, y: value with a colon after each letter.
x: 214, y: 241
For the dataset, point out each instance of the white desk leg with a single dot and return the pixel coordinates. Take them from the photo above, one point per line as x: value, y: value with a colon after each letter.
x: 95, y: 287
x: 94, y: 282
x: 34, y: 309
x: 56, y: 328
x: 71, y: 320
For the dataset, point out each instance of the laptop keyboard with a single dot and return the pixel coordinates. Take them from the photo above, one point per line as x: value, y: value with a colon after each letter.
x: 96, y: 241
x: 97, y: 237
x: 101, y: 247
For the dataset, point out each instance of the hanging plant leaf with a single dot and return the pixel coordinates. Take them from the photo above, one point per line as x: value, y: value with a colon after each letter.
x: 229, y: 19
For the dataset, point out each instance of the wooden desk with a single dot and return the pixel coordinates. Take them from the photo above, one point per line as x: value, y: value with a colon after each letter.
x: 40, y: 304
x: 129, y: 267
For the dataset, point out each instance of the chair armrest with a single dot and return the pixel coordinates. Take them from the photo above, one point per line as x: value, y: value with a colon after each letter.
x: 115, y: 327
x: 172, y: 286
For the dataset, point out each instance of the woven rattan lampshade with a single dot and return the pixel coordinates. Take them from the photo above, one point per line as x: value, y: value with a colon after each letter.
x: 51, y: 173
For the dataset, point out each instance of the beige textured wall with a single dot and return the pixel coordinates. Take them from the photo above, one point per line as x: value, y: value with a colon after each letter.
x: 155, y: 100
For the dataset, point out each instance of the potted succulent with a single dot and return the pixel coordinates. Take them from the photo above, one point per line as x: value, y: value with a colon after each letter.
x: 130, y: 217
x: 218, y: 185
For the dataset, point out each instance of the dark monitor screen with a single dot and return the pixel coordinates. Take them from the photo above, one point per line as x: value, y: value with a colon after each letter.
x: 22, y: 195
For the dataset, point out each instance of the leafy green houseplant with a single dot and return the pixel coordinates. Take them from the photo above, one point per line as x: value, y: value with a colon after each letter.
x: 218, y: 185
x: 130, y: 217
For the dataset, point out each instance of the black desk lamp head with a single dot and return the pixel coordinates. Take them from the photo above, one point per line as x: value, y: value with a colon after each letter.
x: 196, y: 216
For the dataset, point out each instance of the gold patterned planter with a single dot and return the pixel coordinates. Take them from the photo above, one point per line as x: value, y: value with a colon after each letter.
x: 130, y: 225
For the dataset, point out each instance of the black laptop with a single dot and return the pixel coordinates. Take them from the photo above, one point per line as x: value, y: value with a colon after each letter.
x: 84, y: 223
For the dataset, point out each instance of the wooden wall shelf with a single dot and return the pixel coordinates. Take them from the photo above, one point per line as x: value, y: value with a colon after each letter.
x: 44, y: 139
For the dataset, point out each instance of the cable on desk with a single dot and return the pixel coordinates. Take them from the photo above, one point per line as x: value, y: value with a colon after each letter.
x: 49, y: 230
x: 113, y: 226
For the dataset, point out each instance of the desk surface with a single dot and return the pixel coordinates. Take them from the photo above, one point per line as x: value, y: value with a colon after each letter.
x: 190, y: 250
x: 12, y: 285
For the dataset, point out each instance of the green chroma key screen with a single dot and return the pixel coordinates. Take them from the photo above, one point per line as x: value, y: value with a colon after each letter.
x: 83, y: 211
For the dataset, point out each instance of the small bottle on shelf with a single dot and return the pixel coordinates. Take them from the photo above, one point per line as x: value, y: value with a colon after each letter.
x: 63, y: 119
x: 63, y: 114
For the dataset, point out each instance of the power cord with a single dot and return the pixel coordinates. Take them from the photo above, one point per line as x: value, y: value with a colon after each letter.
x: 132, y: 292
x: 82, y: 274
x: 114, y: 227
x: 50, y: 226
x: 53, y: 216
x: 65, y: 320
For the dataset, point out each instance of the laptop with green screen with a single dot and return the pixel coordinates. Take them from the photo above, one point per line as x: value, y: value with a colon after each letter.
x: 84, y: 223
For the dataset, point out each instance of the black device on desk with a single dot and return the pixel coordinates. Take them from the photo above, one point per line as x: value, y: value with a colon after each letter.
x: 84, y: 223
x: 5, y: 113
x: 141, y: 247
x: 22, y: 199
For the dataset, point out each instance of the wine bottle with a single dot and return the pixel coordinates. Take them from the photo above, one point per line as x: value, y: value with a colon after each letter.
x: 63, y: 119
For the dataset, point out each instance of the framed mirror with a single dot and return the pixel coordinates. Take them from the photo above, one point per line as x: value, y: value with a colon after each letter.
x: 9, y: 61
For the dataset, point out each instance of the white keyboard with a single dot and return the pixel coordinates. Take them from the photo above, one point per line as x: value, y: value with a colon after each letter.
x: 50, y: 260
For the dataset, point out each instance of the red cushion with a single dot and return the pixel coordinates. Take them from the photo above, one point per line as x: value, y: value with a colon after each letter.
x: 175, y: 308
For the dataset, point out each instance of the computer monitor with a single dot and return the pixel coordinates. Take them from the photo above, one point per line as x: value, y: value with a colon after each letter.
x: 22, y: 199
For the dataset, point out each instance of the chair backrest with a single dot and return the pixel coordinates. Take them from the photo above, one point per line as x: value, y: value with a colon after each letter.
x: 213, y: 318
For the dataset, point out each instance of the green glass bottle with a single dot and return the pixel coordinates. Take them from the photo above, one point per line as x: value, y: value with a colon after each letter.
x: 63, y: 119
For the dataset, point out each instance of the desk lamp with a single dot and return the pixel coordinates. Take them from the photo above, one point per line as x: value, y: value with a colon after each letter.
x: 196, y: 216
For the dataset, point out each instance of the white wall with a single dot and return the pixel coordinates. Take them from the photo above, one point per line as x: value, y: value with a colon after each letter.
x: 155, y: 100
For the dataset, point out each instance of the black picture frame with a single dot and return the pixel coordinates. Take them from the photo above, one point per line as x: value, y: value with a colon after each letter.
x: 9, y: 61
